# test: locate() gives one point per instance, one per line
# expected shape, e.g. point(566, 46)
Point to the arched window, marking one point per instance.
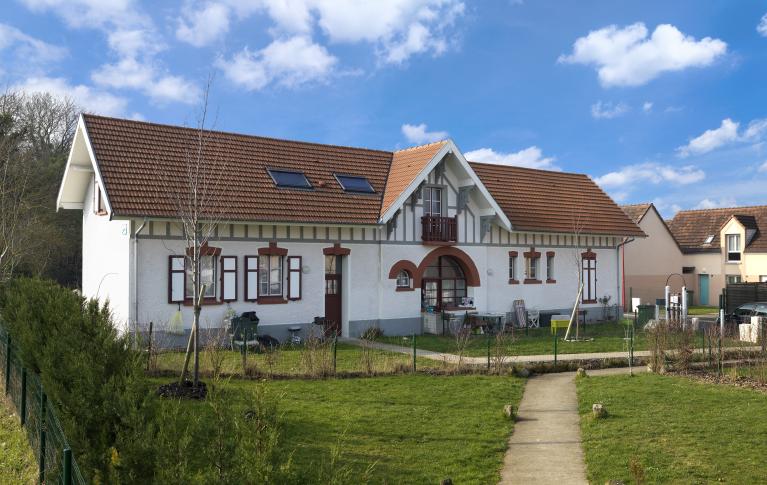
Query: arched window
point(403, 279)
point(443, 284)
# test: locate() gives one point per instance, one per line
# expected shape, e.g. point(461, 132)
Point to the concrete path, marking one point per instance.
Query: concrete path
point(545, 447)
point(452, 358)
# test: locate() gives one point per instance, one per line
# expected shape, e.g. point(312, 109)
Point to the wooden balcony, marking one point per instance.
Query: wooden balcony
point(439, 230)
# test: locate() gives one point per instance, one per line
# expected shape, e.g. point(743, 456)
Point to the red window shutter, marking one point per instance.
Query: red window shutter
point(294, 277)
point(176, 279)
point(228, 278)
point(251, 278)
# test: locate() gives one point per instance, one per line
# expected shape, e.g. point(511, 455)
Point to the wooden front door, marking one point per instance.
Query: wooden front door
point(333, 294)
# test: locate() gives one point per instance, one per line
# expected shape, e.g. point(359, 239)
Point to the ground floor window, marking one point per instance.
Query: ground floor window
point(732, 279)
point(208, 278)
point(443, 284)
point(403, 279)
point(763, 278)
point(270, 275)
point(589, 275)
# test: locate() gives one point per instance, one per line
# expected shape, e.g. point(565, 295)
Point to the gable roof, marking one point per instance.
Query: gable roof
point(692, 227)
point(636, 212)
point(141, 166)
point(543, 200)
point(134, 157)
point(405, 167)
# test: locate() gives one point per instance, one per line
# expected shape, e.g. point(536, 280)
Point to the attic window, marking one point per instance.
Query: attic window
point(709, 239)
point(289, 178)
point(351, 183)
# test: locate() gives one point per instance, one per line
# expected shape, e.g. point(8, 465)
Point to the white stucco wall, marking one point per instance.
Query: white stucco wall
point(106, 260)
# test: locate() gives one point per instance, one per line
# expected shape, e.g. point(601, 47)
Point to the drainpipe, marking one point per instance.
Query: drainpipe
point(621, 279)
point(135, 272)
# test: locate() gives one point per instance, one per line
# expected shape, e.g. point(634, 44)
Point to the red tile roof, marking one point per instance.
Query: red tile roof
point(143, 166)
point(405, 167)
point(542, 200)
point(692, 227)
point(636, 211)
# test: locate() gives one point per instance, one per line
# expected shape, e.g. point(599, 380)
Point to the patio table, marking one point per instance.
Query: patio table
point(559, 321)
point(492, 317)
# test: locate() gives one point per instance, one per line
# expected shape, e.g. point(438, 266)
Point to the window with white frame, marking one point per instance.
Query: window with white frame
point(763, 278)
point(432, 201)
point(532, 267)
point(733, 247)
point(403, 279)
point(270, 275)
point(512, 266)
point(207, 277)
point(732, 279)
point(550, 267)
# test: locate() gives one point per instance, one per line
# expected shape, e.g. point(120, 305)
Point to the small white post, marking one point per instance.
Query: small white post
point(684, 306)
point(667, 293)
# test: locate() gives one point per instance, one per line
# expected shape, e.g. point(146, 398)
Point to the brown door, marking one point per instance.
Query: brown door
point(333, 294)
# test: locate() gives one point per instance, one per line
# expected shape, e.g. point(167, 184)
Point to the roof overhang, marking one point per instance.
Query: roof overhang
point(81, 166)
point(448, 149)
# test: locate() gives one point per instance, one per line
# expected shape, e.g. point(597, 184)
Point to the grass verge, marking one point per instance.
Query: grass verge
point(17, 462)
point(672, 430)
point(412, 429)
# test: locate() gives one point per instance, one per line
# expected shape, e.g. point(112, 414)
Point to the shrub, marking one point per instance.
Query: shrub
point(372, 333)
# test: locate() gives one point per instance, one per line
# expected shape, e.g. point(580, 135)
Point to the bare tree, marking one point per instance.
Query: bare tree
point(577, 266)
point(199, 211)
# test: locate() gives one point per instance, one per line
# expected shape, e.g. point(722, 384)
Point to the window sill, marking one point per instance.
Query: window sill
point(589, 301)
point(101, 213)
point(529, 281)
point(271, 300)
point(405, 289)
point(733, 262)
point(512, 281)
point(205, 301)
point(550, 281)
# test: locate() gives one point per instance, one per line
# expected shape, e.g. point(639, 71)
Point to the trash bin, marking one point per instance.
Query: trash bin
point(645, 313)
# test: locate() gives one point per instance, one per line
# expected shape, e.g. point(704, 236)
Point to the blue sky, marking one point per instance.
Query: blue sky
point(657, 101)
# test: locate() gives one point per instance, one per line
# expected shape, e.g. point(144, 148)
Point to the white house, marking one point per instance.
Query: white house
point(363, 237)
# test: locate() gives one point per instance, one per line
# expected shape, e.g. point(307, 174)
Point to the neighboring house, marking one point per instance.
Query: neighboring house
point(363, 237)
point(717, 246)
point(649, 261)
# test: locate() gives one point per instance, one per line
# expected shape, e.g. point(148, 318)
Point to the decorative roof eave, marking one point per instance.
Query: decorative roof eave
point(81, 133)
point(448, 148)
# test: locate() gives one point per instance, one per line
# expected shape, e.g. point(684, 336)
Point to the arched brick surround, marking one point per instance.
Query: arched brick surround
point(468, 266)
point(407, 266)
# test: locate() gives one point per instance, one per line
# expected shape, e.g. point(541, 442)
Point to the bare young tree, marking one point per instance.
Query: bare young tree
point(577, 266)
point(199, 211)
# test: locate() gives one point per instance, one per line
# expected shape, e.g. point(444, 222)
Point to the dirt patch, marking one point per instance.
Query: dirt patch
point(709, 377)
point(183, 390)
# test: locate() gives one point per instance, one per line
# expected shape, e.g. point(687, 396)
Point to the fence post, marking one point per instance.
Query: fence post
point(43, 401)
point(721, 362)
point(23, 410)
point(488, 351)
point(7, 364)
point(414, 352)
point(335, 351)
point(149, 348)
point(67, 467)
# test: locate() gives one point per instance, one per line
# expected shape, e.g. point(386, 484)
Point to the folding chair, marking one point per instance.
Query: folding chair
point(533, 318)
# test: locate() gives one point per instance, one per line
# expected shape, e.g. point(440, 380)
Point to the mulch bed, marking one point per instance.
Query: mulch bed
point(183, 390)
point(711, 377)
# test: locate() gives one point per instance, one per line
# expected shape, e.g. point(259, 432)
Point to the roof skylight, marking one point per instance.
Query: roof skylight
point(289, 178)
point(709, 239)
point(352, 183)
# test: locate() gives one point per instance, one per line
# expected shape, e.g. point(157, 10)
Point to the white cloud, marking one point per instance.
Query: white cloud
point(608, 110)
point(763, 167)
point(28, 48)
point(716, 203)
point(762, 27)
point(90, 99)
point(289, 62)
point(531, 157)
point(711, 139)
point(419, 134)
point(130, 73)
point(628, 57)
point(173, 88)
point(397, 29)
point(647, 106)
point(201, 27)
point(651, 172)
point(727, 134)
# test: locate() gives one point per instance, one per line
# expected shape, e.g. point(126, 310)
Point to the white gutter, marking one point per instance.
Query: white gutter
point(135, 273)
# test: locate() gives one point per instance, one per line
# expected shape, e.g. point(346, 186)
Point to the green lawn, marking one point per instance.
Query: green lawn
point(413, 428)
point(702, 310)
point(607, 337)
point(677, 430)
point(17, 463)
point(295, 361)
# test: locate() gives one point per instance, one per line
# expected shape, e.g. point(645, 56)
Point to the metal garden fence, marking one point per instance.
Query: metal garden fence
point(24, 390)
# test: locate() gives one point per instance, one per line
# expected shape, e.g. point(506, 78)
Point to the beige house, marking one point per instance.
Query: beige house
point(709, 247)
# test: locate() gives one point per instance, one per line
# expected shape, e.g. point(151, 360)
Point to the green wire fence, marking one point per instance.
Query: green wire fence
point(24, 390)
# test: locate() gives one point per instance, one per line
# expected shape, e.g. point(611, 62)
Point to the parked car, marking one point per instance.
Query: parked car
point(744, 312)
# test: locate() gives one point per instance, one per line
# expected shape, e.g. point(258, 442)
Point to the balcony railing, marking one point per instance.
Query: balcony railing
point(439, 229)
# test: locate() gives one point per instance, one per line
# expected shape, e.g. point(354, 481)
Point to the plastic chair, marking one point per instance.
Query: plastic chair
point(533, 318)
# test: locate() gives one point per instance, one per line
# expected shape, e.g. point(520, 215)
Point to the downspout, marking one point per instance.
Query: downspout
point(621, 279)
point(135, 273)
